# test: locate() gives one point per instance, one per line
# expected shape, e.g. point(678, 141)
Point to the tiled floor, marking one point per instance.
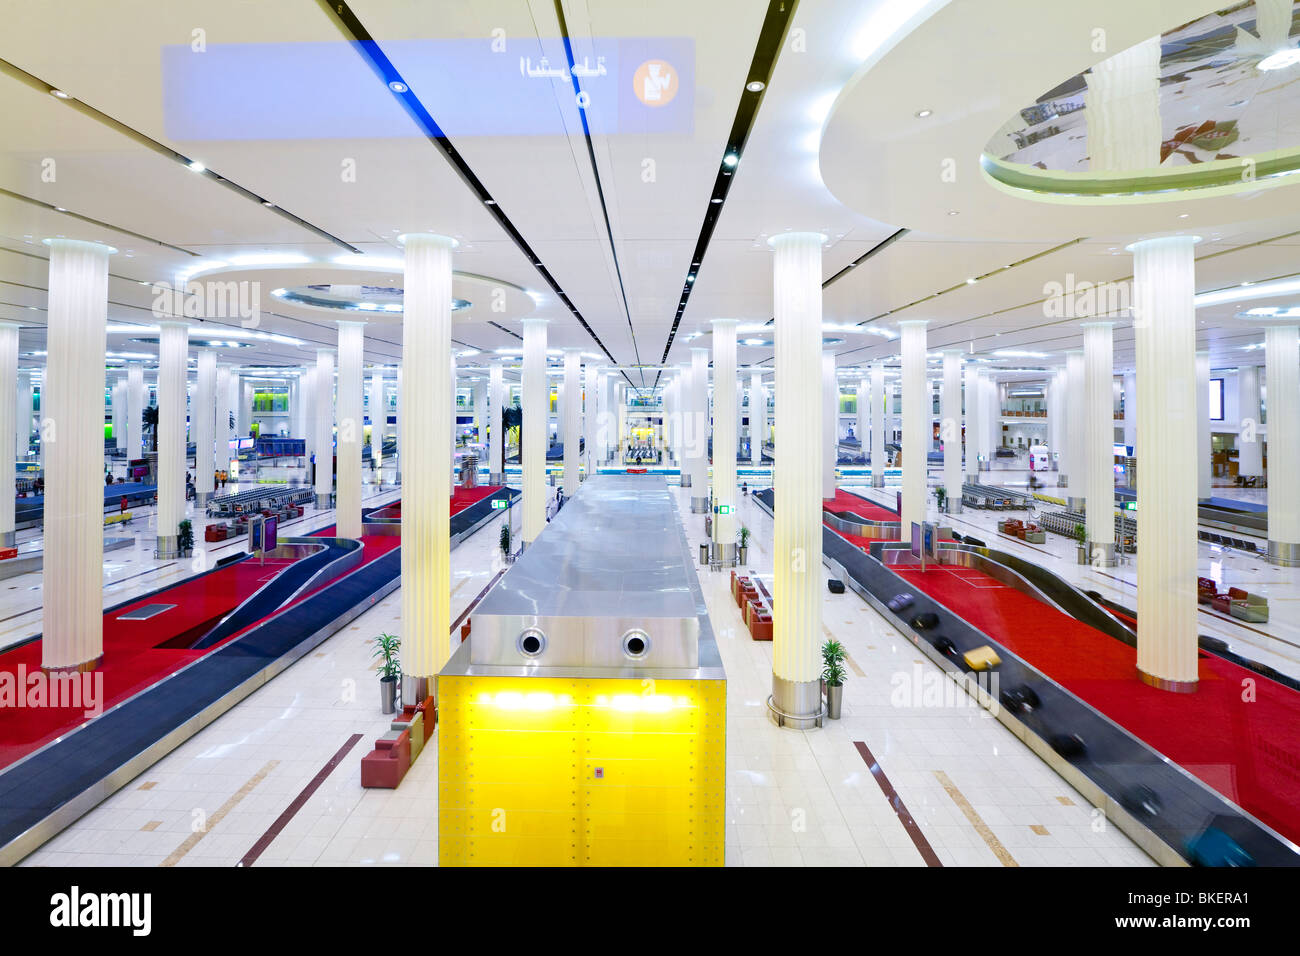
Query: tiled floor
point(794, 797)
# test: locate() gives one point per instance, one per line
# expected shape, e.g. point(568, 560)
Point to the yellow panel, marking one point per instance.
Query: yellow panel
point(543, 771)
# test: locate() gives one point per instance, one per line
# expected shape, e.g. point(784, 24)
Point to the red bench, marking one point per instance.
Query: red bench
point(386, 765)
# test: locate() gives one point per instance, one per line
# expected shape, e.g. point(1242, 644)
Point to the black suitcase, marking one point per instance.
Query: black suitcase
point(835, 585)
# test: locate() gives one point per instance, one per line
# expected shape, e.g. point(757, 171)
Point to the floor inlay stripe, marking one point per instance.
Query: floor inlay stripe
point(904, 815)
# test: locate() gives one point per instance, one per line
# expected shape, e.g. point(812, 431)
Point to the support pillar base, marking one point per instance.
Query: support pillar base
point(699, 506)
point(1101, 554)
point(85, 667)
point(1062, 481)
point(878, 481)
point(168, 547)
point(496, 479)
point(1077, 505)
point(201, 498)
point(1285, 554)
point(796, 704)
point(414, 690)
point(1161, 683)
point(323, 502)
point(722, 555)
point(9, 539)
point(686, 480)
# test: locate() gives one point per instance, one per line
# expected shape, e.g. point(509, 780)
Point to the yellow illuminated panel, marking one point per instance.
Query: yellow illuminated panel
point(548, 771)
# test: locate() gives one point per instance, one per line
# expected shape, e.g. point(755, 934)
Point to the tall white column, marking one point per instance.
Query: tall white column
point(696, 430)
point(571, 415)
point(862, 425)
point(1057, 416)
point(72, 411)
point(724, 438)
point(1282, 381)
point(1076, 426)
point(234, 392)
point(204, 421)
point(757, 414)
point(398, 397)
point(496, 403)
point(590, 385)
point(134, 409)
point(378, 419)
point(1164, 327)
point(1130, 410)
point(1250, 442)
point(23, 419)
point(117, 404)
point(173, 352)
point(425, 432)
point(975, 423)
point(797, 551)
point(244, 405)
point(324, 426)
point(348, 502)
point(916, 422)
point(307, 398)
point(830, 449)
point(950, 429)
point(8, 425)
point(1203, 480)
point(221, 418)
point(536, 403)
point(878, 453)
point(1098, 473)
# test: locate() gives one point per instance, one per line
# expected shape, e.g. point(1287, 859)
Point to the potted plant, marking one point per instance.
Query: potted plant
point(387, 646)
point(940, 495)
point(742, 549)
point(504, 541)
point(832, 650)
point(1081, 536)
point(834, 675)
point(185, 538)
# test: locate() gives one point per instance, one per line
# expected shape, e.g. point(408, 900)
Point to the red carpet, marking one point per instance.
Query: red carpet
point(868, 511)
point(133, 657)
point(1247, 751)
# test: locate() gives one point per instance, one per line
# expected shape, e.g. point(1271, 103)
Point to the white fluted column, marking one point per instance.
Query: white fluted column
point(204, 419)
point(307, 398)
point(134, 410)
point(378, 420)
point(916, 422)
point(757, 414)
point(950, 429)
point(425, 431)
point(23, 419)
point(117, 404)
point(324, 426)
point(1098, 453)
point(570, 418)
point(878, 453)
point(1057, 419)
point(536, 402)
point(398, 396)
point(724, 439)
point(72, 428)
point(244, 405)
point(1165, 331)
point(587, 415)
point(221, 418)
point(861, 425)
point(1282, 381)
point(1250, 441)
point(830, 450)
point(1130, 410)
point(797, 551)
point(348, 502)
point(496, 403)
point(696, 430)
point(974, 423)
point(1075, 429)
point(8, 425)
point(1203, 480)
point(173, 353)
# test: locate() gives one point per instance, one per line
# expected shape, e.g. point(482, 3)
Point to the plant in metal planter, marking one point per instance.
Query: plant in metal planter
point(832, 655)
point(386, 648)
point(941, 496)
point(834, 674)
point(504, 540)
point(185, 538)
point(1081, 536)
point(742, 555)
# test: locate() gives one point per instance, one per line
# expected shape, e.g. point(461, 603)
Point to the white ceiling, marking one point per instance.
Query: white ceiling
point(163, 217)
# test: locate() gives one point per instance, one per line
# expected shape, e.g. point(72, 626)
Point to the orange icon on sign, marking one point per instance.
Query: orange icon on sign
point(655, 83)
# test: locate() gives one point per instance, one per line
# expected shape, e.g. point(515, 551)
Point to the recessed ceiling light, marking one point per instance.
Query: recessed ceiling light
point(59, 94)
point(970, 281)
point(715, 200)
point(268, 204)
point(755, 86)
point(59, 209)
point(1183, 215)
point(1280, 60)
point(489, 202)
point(922, 114)
point(954, 212)
point(397, 86)
point(730, 160)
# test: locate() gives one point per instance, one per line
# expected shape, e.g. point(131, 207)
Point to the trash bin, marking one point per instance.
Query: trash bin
point(704, 553)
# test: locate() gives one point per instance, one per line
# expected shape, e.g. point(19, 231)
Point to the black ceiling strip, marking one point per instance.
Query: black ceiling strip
point(498, 325)
point(94, 222)
point(370, 51)
point(776, 23)
point(595, 172)
point(148, 142)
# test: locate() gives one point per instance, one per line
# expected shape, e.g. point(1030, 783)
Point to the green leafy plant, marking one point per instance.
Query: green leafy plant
point(386, 648)
point(834, 673)
point(185, 535)
point(744, 536)
point(504, 539)
point(1081, 534)
point(833, 652)
point(940, 495)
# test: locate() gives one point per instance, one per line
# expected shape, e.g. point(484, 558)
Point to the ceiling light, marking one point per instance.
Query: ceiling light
point(922, 114)
point(715, 200)
point(270, 259)
point(1183, 215)
point(1259, 291)
point(1280, 60)
point(489, 202)
point(954, 212)
point(196, 166)
point(268, 204)
point(970, 281)
point(59, 209)
point(730, 160)
point(59, 94)
point(755, 86)
point(397, 86)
